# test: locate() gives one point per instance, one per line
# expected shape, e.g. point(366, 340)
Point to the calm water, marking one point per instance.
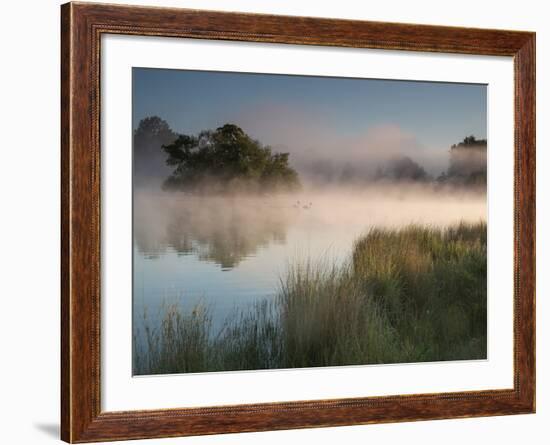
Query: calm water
point(229, 252)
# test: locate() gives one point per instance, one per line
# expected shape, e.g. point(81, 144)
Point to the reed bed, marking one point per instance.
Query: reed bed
point(413, 294)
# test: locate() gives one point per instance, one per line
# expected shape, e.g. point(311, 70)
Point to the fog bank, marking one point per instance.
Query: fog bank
point(227, 229)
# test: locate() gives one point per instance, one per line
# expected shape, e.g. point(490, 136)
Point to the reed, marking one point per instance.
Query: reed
point(413, 294)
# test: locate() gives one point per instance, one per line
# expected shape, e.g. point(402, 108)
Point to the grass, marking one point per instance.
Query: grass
point(406, 295)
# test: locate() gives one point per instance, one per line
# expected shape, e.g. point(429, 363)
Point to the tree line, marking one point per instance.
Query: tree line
point(229, 160)
point(215, 161)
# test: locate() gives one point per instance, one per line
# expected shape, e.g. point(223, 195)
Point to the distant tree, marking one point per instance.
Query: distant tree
point(379, 174)
point(149, 157)
point(468, 162)
point(153, 127)
point(321, 171)
point(227, 159)
point(349, 174)
point(442, 177)
point(402, 169)
point(470, 140)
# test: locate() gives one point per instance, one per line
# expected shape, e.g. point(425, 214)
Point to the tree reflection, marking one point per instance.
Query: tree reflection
point(216, 229)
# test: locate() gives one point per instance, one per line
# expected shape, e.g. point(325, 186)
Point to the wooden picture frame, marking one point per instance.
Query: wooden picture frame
point(82, 25)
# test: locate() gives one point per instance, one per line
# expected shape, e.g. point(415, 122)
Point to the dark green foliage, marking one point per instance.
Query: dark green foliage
point(227, 160)
point(410, 295)
point(470, 141)
point(433, 286)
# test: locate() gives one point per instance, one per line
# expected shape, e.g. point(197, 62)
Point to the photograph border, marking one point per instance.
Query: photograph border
point(82, 25)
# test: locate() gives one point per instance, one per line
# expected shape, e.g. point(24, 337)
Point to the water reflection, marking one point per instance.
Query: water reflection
point(220, 230)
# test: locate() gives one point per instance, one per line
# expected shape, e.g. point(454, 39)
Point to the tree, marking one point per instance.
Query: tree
point(227, 159)
point(402, 169)
point(468, 162)
point(149, 157)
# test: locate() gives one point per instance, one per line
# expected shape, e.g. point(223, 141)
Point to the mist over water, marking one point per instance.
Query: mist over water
point(228, 229)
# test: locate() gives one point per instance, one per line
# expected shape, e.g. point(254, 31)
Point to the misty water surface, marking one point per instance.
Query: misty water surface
point(227, 252)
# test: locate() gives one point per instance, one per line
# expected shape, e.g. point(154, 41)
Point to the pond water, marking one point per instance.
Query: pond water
point(228, 252)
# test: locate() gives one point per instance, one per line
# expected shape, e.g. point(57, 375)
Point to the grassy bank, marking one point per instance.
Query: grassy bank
point(409, 295)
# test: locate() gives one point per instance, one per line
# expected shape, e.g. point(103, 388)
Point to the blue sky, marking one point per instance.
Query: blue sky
point(318, 116)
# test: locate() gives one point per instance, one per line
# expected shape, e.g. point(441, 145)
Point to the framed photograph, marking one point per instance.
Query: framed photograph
point(274, 222)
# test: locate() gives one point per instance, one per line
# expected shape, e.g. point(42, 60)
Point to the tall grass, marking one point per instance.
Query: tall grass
point(405, 295)
point(432, 283)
